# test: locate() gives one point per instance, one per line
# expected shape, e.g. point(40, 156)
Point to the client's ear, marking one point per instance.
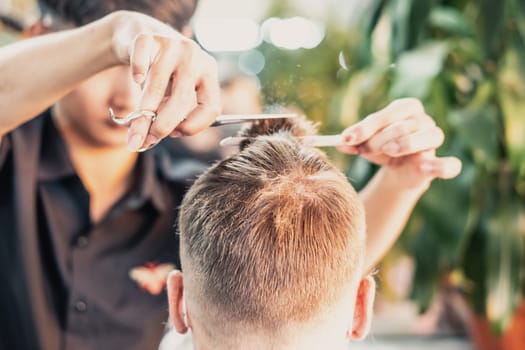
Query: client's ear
point(363, 311)
point(176, 301)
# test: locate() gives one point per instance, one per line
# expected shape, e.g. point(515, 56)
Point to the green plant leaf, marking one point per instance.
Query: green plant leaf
point(505, 254)
point(427, 272)
point(409, 18)
point(416, 69)
point(441, 228)
point(490, 26)
point(366, 87)
point(368, 22)
point(360, 172)
point(450, 20)
point(512, 98)
point(480, 129)
point(474, 267)
point(446, 218)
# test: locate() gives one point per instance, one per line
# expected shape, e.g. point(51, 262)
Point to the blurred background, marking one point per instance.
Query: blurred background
point(455, 278)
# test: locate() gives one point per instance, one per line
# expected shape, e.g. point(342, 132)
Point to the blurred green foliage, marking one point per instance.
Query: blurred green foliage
point(465, 59)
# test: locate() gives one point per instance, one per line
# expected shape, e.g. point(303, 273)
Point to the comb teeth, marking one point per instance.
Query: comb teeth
point(298, 126)
point(310, 141)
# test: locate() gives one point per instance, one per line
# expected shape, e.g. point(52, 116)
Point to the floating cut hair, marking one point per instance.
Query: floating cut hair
point(176, 13)
point(274, 234)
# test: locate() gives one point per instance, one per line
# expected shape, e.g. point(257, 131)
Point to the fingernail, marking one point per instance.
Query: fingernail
point(176, 134)
point(391, 148)
point(151, 140)
point(349, 137)
point(135, 142)
point(139, 78)
point(426, 167)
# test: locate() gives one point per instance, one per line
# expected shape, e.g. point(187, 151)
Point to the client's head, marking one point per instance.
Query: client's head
point(272, 247)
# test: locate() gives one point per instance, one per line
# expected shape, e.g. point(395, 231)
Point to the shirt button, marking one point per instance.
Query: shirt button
point(81, 306)
point(82, 242)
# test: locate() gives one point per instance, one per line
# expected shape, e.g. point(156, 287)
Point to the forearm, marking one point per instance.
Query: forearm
point(37, 72)
point(388, 208)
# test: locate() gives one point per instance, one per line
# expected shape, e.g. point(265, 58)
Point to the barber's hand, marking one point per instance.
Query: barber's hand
point(403, 139)
point(179, 80)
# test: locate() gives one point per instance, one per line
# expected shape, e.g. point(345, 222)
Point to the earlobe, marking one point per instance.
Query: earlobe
point(363, 311)
point(177, 306)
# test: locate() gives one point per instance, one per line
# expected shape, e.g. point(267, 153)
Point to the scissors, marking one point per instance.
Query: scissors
point(224, 119)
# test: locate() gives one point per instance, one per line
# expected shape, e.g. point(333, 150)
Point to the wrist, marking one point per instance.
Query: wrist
point(114, 22)
point(99, 37)
point(390, 181)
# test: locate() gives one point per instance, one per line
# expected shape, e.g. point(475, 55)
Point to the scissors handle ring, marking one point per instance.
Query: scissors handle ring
point(132, 116)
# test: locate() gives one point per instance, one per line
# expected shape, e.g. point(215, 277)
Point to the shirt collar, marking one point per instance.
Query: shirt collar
point(55, 164)
point(149, 186)
point(54, 159)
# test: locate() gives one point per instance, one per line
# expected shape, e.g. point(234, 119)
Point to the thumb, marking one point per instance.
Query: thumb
point(443, 167)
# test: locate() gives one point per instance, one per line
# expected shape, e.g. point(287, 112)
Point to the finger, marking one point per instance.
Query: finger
point(348, 149)
point(376, 158)
point(141, 57)
point(397, 130)
point(443, 168)
point(159, 76)
point(197, 120)
point(137, 133)
point(177, 107)
point(396, 111)
point(424, 140)
point(208, 106)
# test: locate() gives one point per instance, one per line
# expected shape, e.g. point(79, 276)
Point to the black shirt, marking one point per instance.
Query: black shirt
point(66, 282)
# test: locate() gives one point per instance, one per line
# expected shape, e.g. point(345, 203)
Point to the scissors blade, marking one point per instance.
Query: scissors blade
point(226, 119)
point(310, 141)
point(223, 119)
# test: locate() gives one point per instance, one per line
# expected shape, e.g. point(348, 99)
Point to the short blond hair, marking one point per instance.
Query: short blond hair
point(273, 234)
